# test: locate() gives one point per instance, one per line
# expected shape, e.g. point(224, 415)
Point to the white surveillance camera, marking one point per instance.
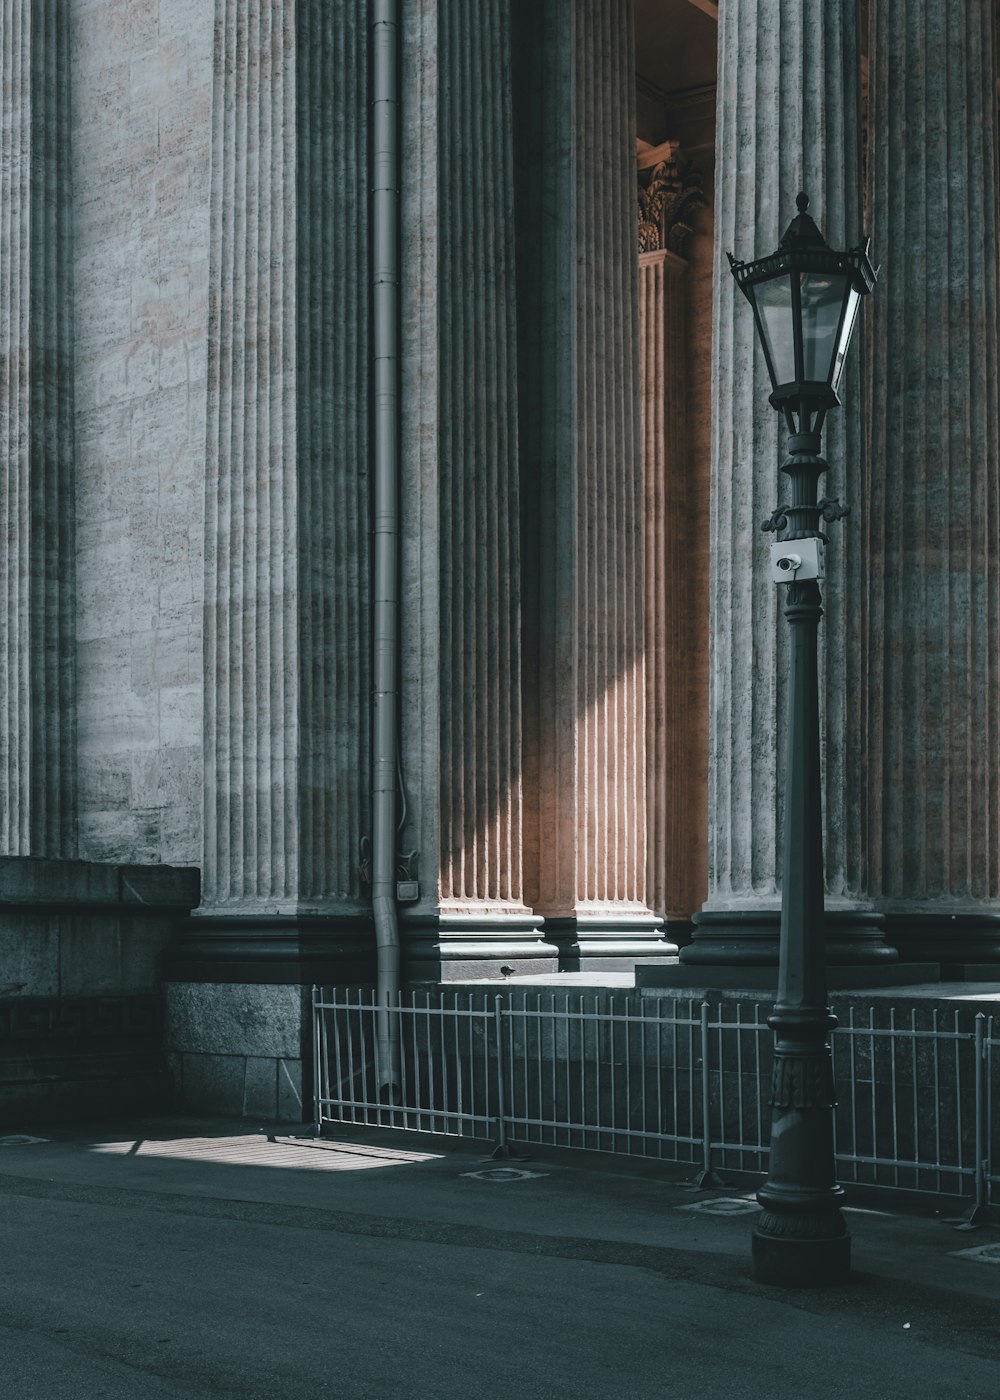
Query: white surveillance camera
point(795, 560)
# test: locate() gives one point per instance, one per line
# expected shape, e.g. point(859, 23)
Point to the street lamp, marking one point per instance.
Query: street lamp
point(805, 299)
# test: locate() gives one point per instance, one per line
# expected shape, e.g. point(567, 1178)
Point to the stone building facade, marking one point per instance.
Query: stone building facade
point(590, 666)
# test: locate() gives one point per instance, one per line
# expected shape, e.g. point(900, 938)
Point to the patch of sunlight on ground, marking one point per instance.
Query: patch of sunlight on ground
point(254, 1151)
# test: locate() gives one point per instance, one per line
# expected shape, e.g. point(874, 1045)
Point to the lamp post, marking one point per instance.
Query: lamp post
point(805, 299)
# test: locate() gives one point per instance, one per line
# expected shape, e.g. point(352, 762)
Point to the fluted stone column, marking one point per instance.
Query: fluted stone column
point(935, 611)
point(675, 585)
point(582, 476)
point(661, 289)
point(332, 427)
point(37, 716)
point(462, 730)
point(286, 617)
point(788, 119)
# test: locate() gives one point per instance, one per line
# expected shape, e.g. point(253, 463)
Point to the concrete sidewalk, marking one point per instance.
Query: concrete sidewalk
point(187, 1258)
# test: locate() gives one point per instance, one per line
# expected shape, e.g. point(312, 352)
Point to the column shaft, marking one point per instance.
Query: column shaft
point(480, 601)
point(789, 82)
point(287, 669)
point(461, 523)
point(661, 291)
point(675, 722)
point(37, 732)
point(252, 671)
point(582, 474)
point(935, 613)
point(332, 375)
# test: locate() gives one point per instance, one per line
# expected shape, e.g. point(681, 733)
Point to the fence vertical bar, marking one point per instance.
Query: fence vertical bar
point(659, 1073)
point(316, 1058)
point(338, 1022)
point(959, 1134)
point(914, 1095)
point(459, 1098)
point(502, 1148)
point(352, 1089)
point(757, 1036)
point(893, 1098)
point(989, 1049)
point(707, 1179)
point(556, 1038)
point(979, 1212)
point(740, 1104)
point(599, 1115)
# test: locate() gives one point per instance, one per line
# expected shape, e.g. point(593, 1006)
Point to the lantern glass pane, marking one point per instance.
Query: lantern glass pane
point(846, 332)
point(822, 302)
point(774, 306)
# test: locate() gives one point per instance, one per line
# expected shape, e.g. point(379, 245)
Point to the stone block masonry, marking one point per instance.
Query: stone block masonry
point(239, 1049)
point(81, 1023)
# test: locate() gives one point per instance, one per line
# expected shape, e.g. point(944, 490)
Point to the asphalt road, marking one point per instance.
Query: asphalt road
point(172, 1266)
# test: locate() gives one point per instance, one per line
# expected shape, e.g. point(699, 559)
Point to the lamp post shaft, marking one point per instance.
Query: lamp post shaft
point(805, 298)
point(800, 1237)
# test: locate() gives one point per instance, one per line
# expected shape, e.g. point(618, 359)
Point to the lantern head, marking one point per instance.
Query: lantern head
point(805, 299)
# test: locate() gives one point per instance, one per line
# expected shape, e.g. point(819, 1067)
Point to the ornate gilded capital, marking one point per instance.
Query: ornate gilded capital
point(669, 193)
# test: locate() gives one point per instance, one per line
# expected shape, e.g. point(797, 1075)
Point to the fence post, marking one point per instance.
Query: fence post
point(503, 1148)
point(707, 1179)
point(979, 1212)
point(317, 1086)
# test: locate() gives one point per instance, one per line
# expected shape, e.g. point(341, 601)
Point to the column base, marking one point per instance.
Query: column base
point(966, 944)
point(451, 946)
point(806, 1251)
point(749, 938)
point(287, 948)
point(612, 940)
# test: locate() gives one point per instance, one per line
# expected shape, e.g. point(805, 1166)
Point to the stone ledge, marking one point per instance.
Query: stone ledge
point(28, 1021)
point(36, 883)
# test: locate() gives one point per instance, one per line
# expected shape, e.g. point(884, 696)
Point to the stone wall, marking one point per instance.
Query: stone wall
point(239, 1048)
point(81, 1022)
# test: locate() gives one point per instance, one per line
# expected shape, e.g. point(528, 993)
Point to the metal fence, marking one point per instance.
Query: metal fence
point(679, 1080)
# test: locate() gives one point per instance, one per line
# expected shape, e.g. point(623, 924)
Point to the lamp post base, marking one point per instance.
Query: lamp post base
point(801, 1251)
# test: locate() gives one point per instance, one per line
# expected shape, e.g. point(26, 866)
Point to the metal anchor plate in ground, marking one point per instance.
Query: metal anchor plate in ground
point(982, 1253)
point(500, 1175)
point(723, 1205)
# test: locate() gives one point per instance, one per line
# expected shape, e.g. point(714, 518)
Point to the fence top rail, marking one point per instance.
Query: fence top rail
point(571, 1006)
point(468, 1012)
point(518, 1013)
point(904, 1032)
point(578, 1009)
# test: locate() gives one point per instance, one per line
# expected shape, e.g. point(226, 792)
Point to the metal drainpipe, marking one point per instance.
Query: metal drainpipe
point(385, 452)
